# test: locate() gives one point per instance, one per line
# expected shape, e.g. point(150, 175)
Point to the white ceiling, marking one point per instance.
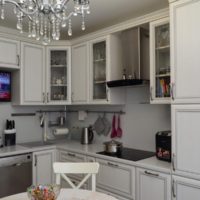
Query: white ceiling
point(103, 14)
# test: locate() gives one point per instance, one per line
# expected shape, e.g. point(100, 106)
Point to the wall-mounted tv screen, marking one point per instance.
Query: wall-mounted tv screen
point(5, 86)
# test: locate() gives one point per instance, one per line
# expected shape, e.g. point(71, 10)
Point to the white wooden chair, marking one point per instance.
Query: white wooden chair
point(90, 169)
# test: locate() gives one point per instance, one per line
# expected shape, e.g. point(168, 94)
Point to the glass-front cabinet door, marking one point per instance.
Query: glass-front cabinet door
point(160, 61)
point(58, 75)
point(98, 70)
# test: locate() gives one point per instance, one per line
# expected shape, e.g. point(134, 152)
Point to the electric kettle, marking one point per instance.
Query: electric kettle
point(87, 135)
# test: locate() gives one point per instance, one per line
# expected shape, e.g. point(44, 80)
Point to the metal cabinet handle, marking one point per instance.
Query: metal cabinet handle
point(173, 161)
point(172, 91)
point(18, 60)
point(72, 96)
point(173, 189)
point(47, 97)
point(151, 95)
point(112, 164)
point(107, 95)
point(43, 94)
point(35, 164)
point(71, 154)
point(151, 174)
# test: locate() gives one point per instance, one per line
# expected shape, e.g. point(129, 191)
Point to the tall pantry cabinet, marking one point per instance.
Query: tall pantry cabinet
point(185, 70)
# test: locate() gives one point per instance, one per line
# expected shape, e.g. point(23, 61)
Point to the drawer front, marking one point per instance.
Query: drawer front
point(66, 156)
point(116, 178)
point(114, 195)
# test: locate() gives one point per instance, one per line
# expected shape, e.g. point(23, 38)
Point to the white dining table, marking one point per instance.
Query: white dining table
point(68, 194)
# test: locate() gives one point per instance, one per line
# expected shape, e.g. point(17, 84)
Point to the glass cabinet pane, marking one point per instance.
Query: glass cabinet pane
point(162, 61)
point(99, 70)
point(58, 75)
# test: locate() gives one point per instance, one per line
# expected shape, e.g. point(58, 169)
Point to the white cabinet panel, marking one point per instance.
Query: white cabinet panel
point(153, 185)
point(116, 178)
point(9, 53)
point(33, 73)
point(186, 137)
point(185, 59)
point(80, 73)
point(43, 167)
point(185, 189)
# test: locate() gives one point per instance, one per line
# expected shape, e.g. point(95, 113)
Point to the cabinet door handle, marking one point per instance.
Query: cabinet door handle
point(43, 95)
point(35, 164)
point(18, 60)
point(47, 97)
point(173, 189)
point(173, 161)
point(71, 154)
point(151, 174)
point(151, 95)
point(72, 96)
point(107, 95)
point(112, 164)
point(172, 91)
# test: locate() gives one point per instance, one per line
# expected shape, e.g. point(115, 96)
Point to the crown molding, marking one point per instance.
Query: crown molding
point(123, 26)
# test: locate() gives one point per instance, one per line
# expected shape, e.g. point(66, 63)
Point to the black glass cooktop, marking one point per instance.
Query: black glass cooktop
point(130, 154)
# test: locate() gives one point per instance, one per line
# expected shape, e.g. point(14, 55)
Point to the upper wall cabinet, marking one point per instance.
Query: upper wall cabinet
point(105, 65)
point(93, 64)
point(160, 61)
point(58, 75)
point(80, 73)
point(185, 48)
point(31, 78)
point(9, 53)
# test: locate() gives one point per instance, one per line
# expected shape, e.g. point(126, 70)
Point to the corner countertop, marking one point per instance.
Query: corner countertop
point(151, 163)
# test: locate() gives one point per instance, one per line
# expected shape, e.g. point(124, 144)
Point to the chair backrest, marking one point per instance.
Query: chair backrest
point(90, 169)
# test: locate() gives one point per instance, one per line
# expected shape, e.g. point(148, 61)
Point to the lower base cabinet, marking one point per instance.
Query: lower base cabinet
point(43, 167)
point(152, 185)
point(185, 188)
point(116, 178)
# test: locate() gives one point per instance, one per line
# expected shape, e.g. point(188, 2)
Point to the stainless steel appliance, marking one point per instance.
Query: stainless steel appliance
point(163, 145)
point(87, 135)
point(15, 174)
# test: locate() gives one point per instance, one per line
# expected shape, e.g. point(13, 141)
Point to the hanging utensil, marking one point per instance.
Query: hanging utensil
point(119, 130)
point(114, 131)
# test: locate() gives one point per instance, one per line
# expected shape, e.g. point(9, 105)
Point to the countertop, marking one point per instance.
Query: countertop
point(151, 163)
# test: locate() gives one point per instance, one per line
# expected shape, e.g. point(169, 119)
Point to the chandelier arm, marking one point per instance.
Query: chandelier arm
point(21, 9)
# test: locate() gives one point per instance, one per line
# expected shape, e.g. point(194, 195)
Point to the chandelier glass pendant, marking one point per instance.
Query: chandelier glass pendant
point(46, 17)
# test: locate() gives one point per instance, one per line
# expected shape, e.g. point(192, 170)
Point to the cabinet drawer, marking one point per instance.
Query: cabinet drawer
point(116, 178)
point(114, 195)
point(66, 156)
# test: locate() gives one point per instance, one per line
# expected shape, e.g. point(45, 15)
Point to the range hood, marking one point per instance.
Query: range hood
point(135, 58)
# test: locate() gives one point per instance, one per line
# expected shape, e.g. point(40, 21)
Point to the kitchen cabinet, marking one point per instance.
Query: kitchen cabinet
point(185, 47)
point(30, 81)
point(116, 178)
point(105, 65)
point(67, 156)
point(58, 75)
point(184, 188)
point(9, 53)
point(185, 138)
point(160, 61)
point(153, 185)
point(99, 61)
point(43, 167)
point(80, 73)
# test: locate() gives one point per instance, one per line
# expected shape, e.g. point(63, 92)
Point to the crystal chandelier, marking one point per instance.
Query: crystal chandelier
point(46, 17)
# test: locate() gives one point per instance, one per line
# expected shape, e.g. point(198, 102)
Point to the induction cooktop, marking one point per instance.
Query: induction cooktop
point(130, 154)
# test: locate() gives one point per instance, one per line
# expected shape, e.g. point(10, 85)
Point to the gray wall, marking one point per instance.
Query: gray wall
point(140, 123)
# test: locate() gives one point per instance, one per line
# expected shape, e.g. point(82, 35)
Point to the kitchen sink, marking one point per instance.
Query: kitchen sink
point(36, 144)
